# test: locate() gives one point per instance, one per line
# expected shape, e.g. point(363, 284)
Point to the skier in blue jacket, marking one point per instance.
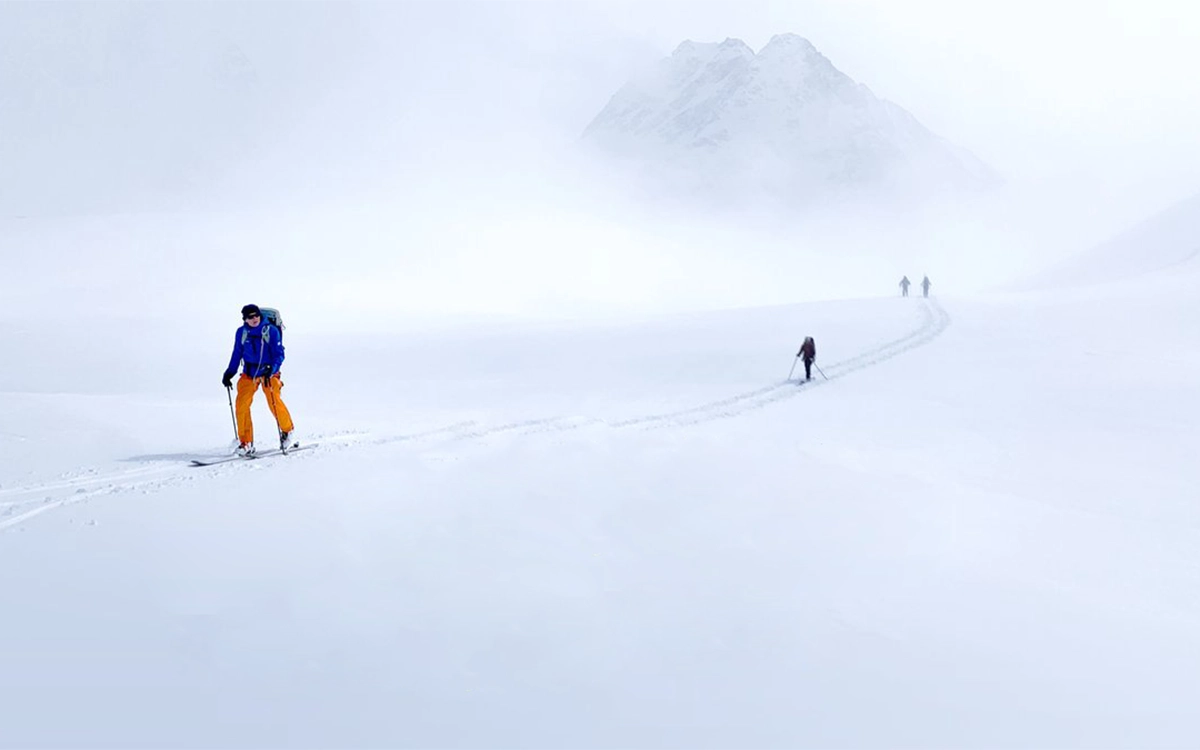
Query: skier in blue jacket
point(258, 348)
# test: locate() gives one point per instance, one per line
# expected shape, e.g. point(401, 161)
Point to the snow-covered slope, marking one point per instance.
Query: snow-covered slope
point(1166, 243)
point(979, 525)
point(718, 117)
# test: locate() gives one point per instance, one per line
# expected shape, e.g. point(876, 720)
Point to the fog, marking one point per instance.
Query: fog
point(398, 161)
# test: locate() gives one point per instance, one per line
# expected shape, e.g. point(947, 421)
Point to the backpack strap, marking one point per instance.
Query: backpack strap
point(266, 334)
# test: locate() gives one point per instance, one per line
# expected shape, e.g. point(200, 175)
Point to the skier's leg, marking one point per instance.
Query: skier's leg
point(808, 369)
point(275, 401)
point(246, 386)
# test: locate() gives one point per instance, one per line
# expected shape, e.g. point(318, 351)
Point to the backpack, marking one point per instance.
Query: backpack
point(272, 316)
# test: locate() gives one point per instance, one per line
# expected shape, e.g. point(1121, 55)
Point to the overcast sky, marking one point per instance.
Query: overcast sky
point(310, 112)
point(1055, 89)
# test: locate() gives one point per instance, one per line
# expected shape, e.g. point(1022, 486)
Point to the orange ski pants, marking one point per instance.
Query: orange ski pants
point(246, 388)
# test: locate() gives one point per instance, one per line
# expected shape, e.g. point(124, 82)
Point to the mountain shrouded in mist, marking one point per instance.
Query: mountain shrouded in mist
point(716, 118)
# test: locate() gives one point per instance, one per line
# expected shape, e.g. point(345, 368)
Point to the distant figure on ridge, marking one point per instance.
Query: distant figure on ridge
point(925, 284)
point(904, 282)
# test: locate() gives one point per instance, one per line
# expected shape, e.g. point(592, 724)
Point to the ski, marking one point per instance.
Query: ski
point(261, 454)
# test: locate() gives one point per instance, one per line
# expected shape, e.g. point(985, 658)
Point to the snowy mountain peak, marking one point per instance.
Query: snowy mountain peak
point(797, 54)
point(735, 46)
point(790, 44)
point(718, 118)
point(690, 50)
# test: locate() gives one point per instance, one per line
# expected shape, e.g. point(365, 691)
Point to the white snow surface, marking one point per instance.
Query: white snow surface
point(979, 527)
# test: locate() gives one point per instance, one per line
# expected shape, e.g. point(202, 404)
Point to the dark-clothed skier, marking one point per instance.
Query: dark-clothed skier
point(808, 351)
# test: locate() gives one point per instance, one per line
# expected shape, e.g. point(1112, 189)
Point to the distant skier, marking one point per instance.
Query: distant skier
point(925, 284)
point(258, 346)
point(808, 351)
point(904, 282)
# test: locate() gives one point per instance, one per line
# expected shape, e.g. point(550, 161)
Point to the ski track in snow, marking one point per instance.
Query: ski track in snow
point(934, 321)
point(30, 501)
point(76, 482)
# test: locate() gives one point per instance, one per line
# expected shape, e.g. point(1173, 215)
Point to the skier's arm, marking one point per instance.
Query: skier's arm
point(235, 359)
point(277, 351)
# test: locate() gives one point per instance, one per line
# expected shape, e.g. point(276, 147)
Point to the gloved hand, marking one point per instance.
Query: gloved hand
point(227, 380)
point(265, 371)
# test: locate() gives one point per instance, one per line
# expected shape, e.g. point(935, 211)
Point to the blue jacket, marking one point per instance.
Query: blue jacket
point(256, 347)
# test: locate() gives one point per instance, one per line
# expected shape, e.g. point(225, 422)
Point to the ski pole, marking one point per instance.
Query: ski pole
point(820, 371)
point(794, 361)
point(229, 392)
